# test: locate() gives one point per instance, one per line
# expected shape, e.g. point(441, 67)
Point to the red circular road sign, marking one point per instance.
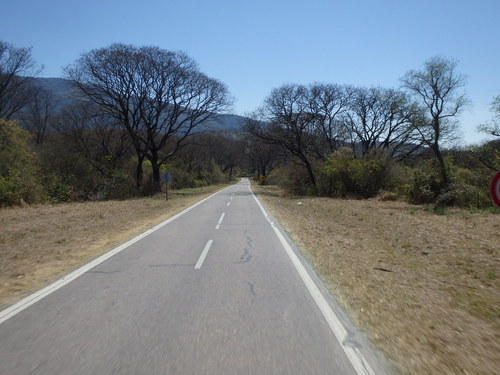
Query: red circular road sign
point(495, 189)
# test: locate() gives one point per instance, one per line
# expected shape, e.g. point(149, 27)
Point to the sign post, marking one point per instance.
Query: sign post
point(166, 177)
point(495, 189)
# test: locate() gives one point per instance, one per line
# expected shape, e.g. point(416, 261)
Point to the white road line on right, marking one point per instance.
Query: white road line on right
point(229, 203)
point(361, 366)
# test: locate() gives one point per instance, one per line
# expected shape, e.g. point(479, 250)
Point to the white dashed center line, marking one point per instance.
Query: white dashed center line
point(203, 255)
point(220, 220)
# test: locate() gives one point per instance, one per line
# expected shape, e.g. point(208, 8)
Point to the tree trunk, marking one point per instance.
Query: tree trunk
point(445, 179)
point(139, 175)
point(156, 176)
point(310, 172)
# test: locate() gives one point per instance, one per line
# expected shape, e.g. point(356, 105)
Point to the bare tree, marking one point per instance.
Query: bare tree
point(493, 127)
point(227, 153)
point(96, 136)
point(437, 87)
point(157, 95)
point(16, 65)
point(107, 78)
point(37, 114)
point(382, 119)
point(262, 158)
point(285, 120)
point(329, 103)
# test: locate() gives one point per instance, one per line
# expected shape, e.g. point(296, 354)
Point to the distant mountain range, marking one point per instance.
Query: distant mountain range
point(63, 92)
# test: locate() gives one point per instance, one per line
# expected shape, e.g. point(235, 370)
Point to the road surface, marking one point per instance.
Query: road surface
point(214, 291)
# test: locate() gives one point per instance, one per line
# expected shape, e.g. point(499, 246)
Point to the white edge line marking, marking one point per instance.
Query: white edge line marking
point(42, 293)
point(228, 204)
point(203, 255)
point(357, 360)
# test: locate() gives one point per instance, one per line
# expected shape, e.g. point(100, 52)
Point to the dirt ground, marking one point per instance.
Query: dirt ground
point(39, 244)
point(424, 287)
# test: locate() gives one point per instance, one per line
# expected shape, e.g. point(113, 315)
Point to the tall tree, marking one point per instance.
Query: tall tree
point(438, 89)
point(382, 119)
point(38, 113)
point(95, 136)
point(286, 120)
point(160, 97)
point(329, 103)
point(262, 158)
point(16, 90)
point(227, 153)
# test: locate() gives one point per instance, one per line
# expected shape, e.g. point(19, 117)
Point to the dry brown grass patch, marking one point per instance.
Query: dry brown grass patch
point(424, 287)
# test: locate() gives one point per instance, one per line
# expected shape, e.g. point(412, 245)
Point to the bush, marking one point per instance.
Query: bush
point(57, 190)
point(424, 186)
point(202, 175)
point(469, 186)
point(295, 180)
point(344, 175)
point(464, 195)
point(19, 175)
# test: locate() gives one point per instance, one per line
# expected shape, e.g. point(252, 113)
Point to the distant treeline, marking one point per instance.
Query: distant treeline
point(139, 111)
point(345, 141)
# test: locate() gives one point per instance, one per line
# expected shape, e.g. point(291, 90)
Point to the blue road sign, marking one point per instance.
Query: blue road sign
point(166, 177)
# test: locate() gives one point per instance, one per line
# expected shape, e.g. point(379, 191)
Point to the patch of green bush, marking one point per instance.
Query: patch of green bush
point(294, 180)
point(344, 175)
point(201, 175)
point(424, 186)
point(20, 180)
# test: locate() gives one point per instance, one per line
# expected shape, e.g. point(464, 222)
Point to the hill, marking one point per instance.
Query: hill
point(64, 94)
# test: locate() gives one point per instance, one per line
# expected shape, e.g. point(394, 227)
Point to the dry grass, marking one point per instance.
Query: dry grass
point(40, 243)
point(424, 287)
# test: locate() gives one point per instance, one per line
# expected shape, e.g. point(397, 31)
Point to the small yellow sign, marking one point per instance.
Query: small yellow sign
point(262, 178)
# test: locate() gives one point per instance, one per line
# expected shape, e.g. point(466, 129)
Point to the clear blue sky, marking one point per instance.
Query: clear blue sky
point(254, 46)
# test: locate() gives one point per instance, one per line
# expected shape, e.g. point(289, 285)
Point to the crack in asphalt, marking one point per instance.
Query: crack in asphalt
point(252, 288)
point(245, 258)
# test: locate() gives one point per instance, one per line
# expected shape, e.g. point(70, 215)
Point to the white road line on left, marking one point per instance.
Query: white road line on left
point(42, 293)
point(227, 205)
point(203, 255)
point(220, 220)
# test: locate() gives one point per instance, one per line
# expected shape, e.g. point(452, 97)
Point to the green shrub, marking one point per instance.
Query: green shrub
point(295, 180)
point(19, 173)
point(424, 186)
point(464, 195)
point(344, 175)
point(57, 190)
point(201, 175)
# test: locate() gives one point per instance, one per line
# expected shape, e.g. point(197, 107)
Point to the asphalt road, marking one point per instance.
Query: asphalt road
point(214, 291)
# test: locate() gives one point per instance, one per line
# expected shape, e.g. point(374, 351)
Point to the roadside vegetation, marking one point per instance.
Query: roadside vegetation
point(134, 114)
